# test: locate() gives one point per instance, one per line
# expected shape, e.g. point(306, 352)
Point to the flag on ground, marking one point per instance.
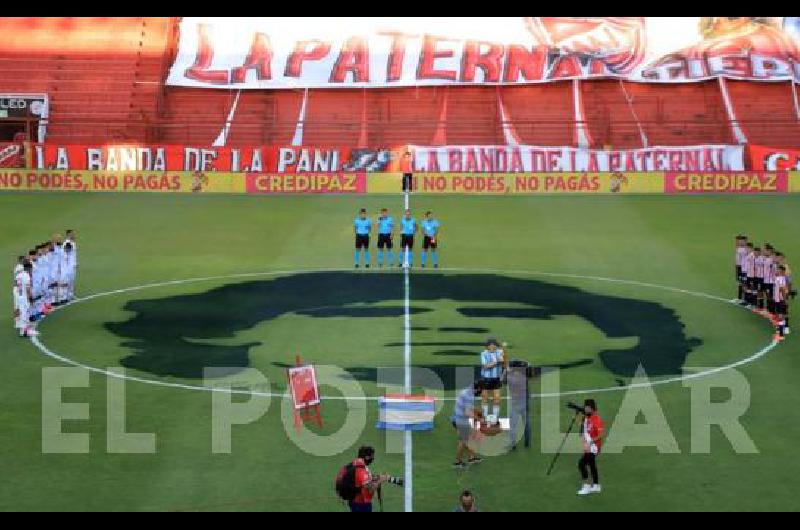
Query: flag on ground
point(400, 412)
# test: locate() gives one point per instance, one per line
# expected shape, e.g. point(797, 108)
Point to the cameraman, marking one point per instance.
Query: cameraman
point(366, 482)
point(592, 432)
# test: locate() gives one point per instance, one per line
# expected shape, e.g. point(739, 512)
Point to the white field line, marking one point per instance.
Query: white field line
point(37, 341)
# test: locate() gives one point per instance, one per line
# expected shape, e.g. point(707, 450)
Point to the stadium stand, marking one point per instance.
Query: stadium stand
point(106, 81)
point(765, 111)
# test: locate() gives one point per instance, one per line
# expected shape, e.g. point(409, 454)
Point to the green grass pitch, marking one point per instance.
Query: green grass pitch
point(597, 332)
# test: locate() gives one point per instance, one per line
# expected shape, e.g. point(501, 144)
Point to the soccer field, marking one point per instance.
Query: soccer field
point(595, 286)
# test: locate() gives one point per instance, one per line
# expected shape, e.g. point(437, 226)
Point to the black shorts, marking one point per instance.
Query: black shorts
point(767, 289)
point(385, 241)
point(781, 308)
point(492, 383)
point(406, 241)
point(758, 284)
point(738, 273)
point(362, 242)
point(751, 282)
point(428, 242)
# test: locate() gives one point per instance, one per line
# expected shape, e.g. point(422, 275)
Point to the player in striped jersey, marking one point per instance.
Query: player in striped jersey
point(749, 271)
point(781, 297)
point(770, 268)
point(782, 262)
point(741, 252)
point(758, 270)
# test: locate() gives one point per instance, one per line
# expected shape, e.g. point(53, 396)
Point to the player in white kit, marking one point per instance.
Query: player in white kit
point(55, 272)
point(72, 238)
point(22, 297)
point(66, 274)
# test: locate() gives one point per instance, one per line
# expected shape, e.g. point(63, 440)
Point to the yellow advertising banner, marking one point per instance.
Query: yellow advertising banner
point(794, 182)
point(122, 181)
point(520, 183)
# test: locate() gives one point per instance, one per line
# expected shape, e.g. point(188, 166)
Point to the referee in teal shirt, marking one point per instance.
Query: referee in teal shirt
point(408, 227)
point(430, 232)
point(362, 226)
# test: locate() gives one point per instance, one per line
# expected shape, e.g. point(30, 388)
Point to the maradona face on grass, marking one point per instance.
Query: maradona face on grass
point(355, 321)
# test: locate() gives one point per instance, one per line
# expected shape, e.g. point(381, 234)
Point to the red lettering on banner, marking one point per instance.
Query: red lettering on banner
point(454, 160)
point(566, 67)
point(552, 160)
point(487, 160)
point(302, 53)
point(691, 160)
point(427, 57)
point(353, 58)
point(472, 163)
point(738, 65)
point(428, 183)
point(516, 161)
point(10, 180)
point(661, 159)
point(630, 162)
point(205, 54)
point(259, 59)
point(501, 160)
point(520, 60)
point(489, 62)
point(643, 164)
point(537, 160)
point(433, 161)
point(594, 165)
point(394, 64)
point(675, 161)
point(708, 160)
point(614, 161)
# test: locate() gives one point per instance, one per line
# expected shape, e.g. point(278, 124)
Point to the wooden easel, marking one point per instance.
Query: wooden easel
point(309, 412)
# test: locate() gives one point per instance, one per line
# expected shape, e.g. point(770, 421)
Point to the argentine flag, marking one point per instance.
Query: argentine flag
point(400, 412)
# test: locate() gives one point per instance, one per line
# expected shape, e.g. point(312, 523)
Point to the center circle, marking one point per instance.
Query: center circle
point(453, 310)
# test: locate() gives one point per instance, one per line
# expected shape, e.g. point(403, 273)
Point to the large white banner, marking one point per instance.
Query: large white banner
point(530, 159)
point(218, 52)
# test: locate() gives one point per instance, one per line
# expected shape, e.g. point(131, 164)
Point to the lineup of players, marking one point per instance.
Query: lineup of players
point(765, 282)
point(429, 226)
point(44, 279)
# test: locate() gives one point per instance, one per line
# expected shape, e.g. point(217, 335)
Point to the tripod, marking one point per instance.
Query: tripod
point(560, 447)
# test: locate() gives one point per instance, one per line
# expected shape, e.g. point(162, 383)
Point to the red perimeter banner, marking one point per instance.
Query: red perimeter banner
point(371, 52)
point(255, 159)
point(773, 158)
point(729, 182)
point(278, 183)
